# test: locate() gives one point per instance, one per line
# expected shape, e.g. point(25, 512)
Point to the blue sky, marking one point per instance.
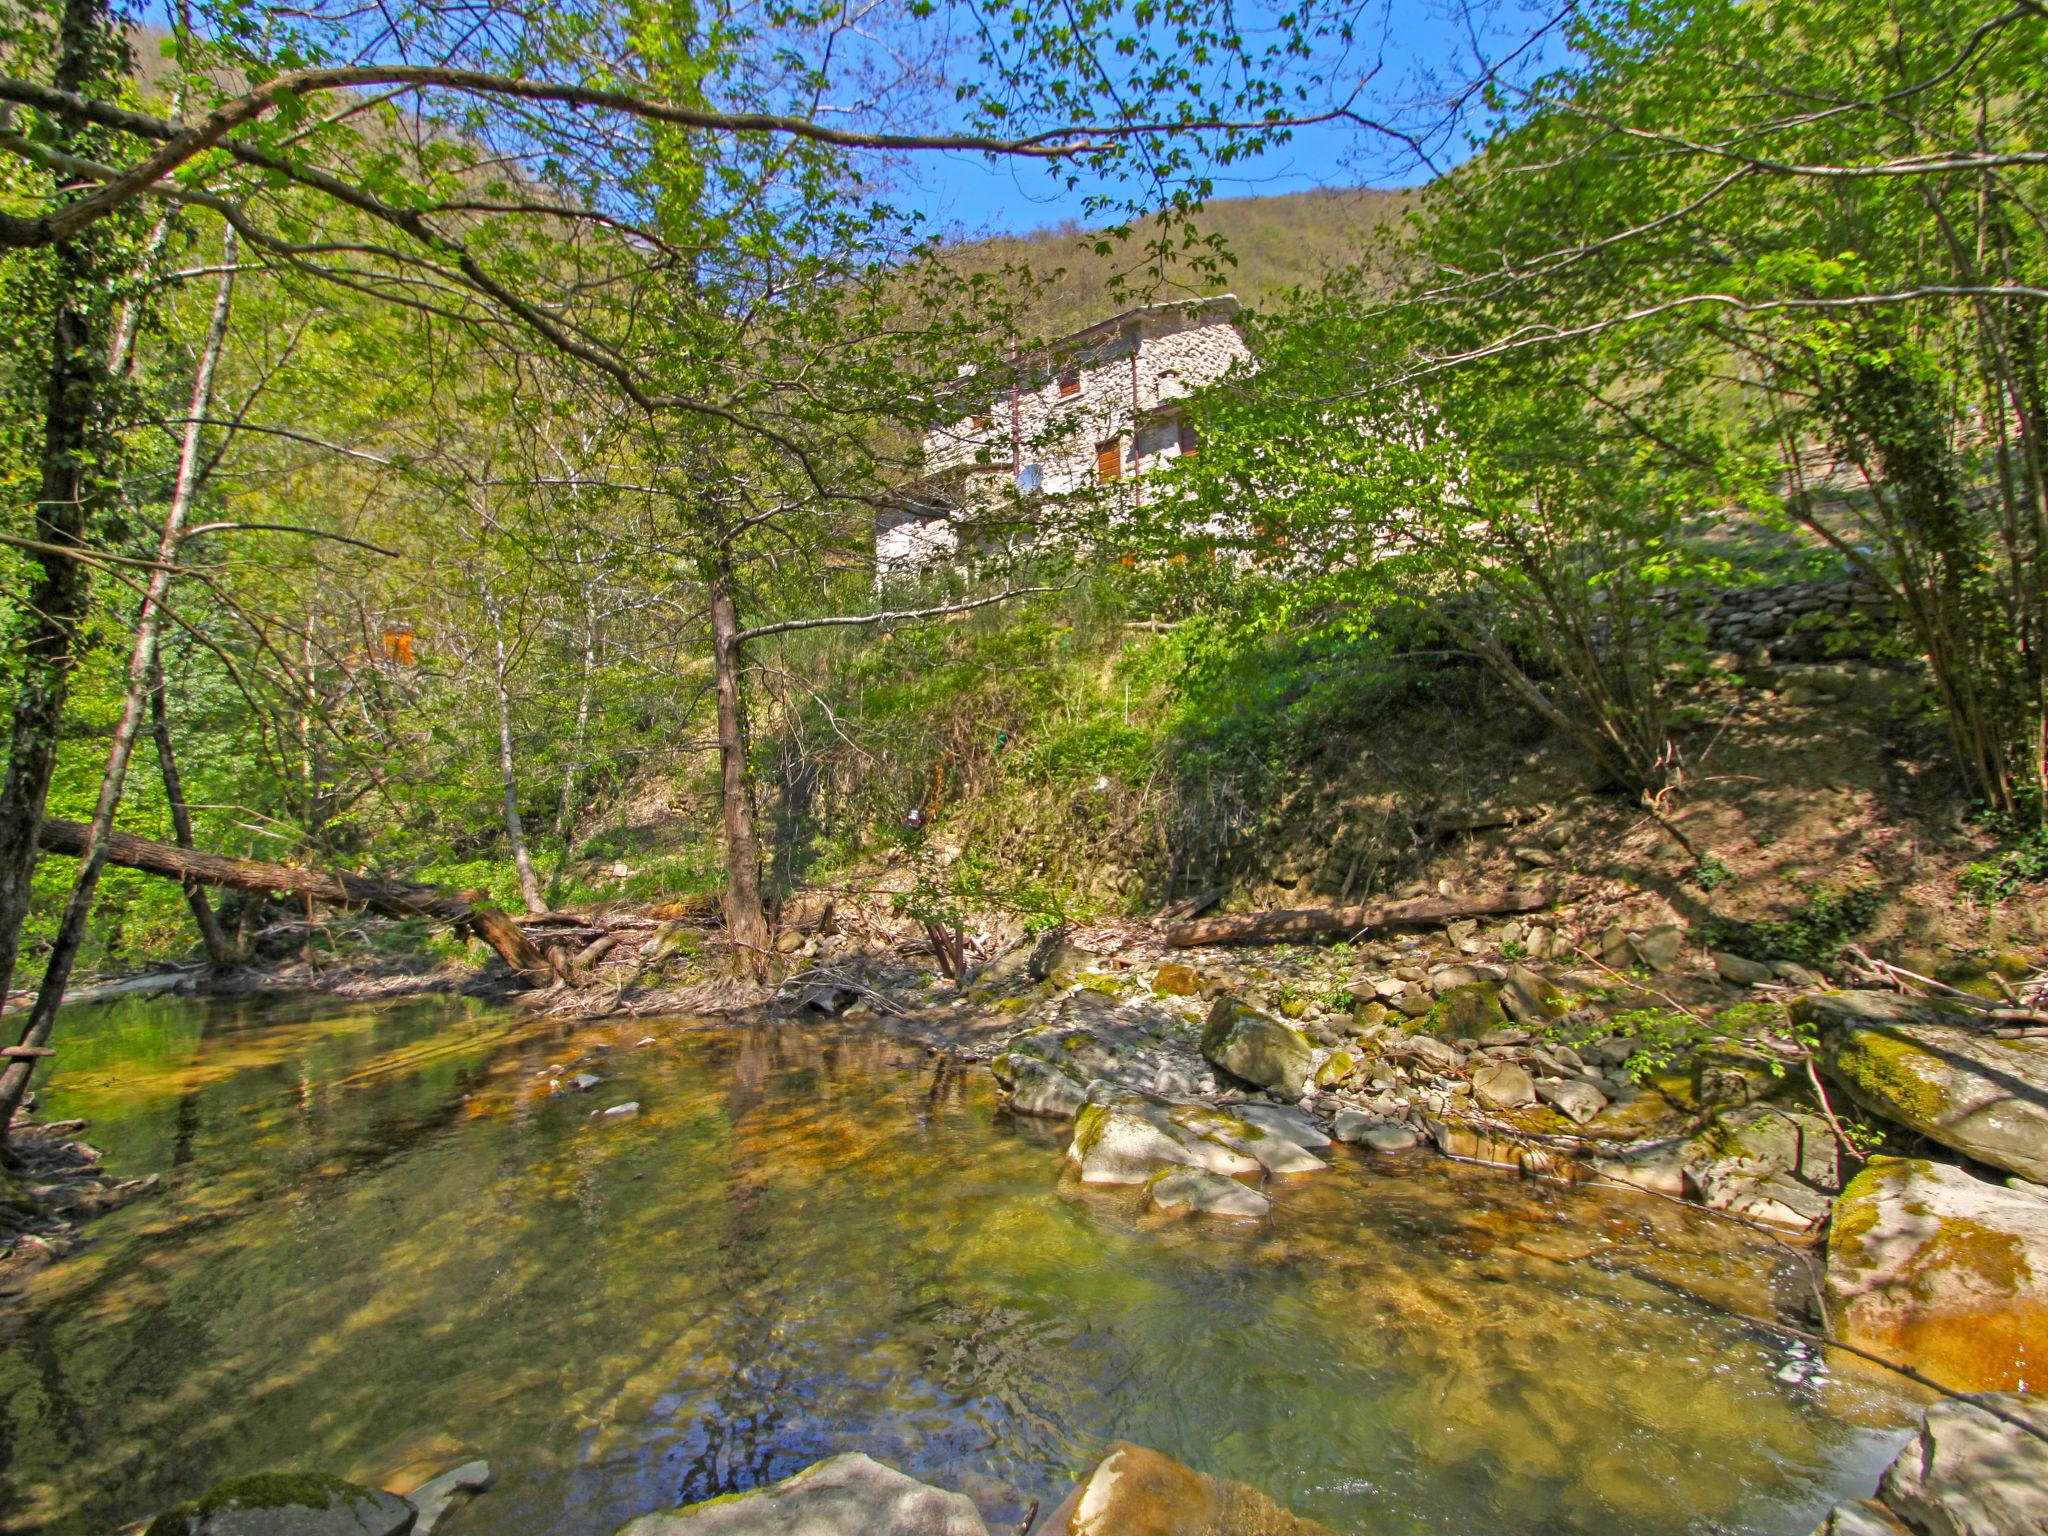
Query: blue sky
point(1420, 54)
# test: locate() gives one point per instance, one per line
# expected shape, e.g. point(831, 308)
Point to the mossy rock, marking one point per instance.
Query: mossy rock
point(1466, 1012)
point(1174, 979)
point(288, 1504)
point(1931, 1070)
point(1256, 1047)
point(1933, 1269)
point(1339, 1067)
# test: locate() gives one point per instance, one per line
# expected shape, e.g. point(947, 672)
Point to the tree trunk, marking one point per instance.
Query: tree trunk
point(508, 778)
point(142, 670)
point(1303, 922)
point(392, 898)
point(564, 821)
point(219, 951)
point(745, 920)
point(56, 604)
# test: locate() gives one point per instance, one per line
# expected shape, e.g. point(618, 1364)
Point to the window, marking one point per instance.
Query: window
point(1154, 438)
point(1109, 460)
point(1030, 480)
point(1188, 441)
point(1070, 383)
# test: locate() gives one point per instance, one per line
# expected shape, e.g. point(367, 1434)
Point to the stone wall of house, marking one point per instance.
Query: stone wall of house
point(1126, 375)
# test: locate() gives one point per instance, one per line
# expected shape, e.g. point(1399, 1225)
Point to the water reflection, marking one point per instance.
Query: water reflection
point(389, 1237)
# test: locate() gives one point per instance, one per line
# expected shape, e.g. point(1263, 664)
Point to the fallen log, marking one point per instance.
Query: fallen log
point(1306, 922)
point(393, 898)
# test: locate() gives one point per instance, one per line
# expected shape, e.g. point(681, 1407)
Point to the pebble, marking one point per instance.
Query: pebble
point(624, 1111)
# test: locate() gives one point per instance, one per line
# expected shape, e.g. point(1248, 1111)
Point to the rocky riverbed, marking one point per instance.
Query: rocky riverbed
point(1896, 1138)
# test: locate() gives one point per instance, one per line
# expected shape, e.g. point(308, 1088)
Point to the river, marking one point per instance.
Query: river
point(388, 1238)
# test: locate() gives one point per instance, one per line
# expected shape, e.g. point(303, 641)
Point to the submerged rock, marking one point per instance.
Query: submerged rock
point(1969, 1472)
point(850, 1495)
point(1136, 1492)
point(1038, 1088)
point(1924, 1067)
point(1204, 1193)
point(1257, 1047)
point(288, 1504)
point(439, 1494)
point(1934, 1269)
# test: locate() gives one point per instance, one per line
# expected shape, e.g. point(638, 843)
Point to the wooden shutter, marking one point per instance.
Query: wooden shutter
point(1070, 382)
point(1188, 441)
point(1109, 461)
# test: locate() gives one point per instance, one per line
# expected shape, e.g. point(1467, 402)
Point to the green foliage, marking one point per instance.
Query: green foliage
point(1711, 872)
point(1810, 935)
point(2021, 863)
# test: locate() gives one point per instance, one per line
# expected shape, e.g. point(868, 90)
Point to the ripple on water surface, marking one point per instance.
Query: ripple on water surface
point(385, 1241)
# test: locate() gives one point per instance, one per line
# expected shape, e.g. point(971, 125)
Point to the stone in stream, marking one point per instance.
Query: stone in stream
point(1925, 1066)
point(850, 1495)
point(1943, 1272)
point(288, 1504)
point(1375, 1131)
point(1205, 1194)
point(1257, 1047)
point(1502, 1085)
point(1783, 1139)
point(439, 1494)
point(1279, 1120)
point(1037, 1087)
point(625, 1111)
point(1126, 1141)
point(1577, 1101)
point(1137, 1492)
point(1230, 1128)
point(1969, 1472)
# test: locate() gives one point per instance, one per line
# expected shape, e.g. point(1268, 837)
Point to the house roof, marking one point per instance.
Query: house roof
point(1226, 302)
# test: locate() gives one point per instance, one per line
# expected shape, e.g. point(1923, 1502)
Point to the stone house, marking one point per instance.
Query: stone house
point(1100, 407)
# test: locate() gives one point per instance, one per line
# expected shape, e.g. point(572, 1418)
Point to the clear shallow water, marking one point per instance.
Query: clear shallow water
point(383, 1243)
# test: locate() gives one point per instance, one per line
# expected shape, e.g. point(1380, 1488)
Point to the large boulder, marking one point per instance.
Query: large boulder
point(1257, 1047)
point(1971, 1471)
point(1126, 1141)
point(1928, 1068)
point(288, 1504)
point(850, 1495)
point(1466, 1013)
point(1943, 1272)
point(1136, 1492)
